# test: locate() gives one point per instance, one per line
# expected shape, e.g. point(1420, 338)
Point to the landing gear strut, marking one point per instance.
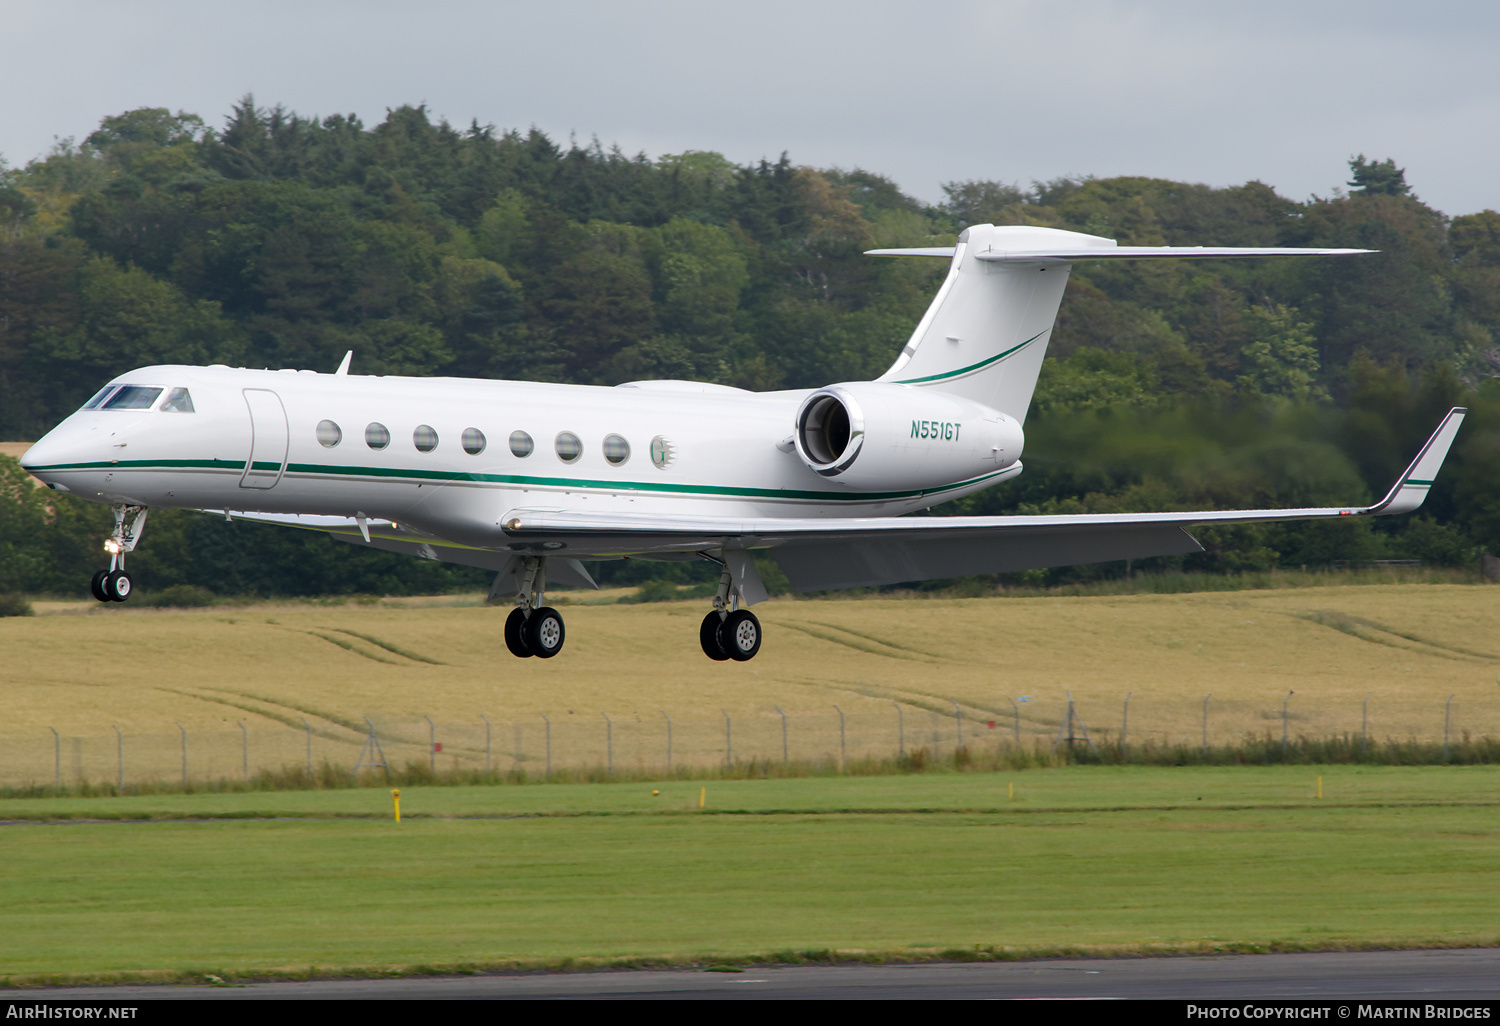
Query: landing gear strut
point(114, 584)
point(729, 632)
point(533, 629)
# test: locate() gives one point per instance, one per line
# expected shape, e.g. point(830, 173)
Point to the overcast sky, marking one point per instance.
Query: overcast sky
point(1283, 92)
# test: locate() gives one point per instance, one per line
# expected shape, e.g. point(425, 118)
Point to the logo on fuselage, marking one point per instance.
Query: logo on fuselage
point(662, 451)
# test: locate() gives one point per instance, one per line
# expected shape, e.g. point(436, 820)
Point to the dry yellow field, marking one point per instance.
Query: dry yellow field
point(85, 670)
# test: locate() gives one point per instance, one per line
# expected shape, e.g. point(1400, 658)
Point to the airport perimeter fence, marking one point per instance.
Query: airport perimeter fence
point(861, 737)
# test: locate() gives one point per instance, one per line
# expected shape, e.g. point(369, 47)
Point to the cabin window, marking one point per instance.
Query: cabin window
point(569, 448)
point(377, 437)
point(616, 450)
point(424, 438)
point(329, 434)
point(133, 397)
point(521, 444)
point(178, 401)
point(473, 441)
point(99, 397)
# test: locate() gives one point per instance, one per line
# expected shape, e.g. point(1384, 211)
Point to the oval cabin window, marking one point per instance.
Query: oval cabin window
point(377, 437)
point(424, 438)
point(616, 450)
point(329, 434)
point(473, 441)
point(569, 448)
point(521, 444)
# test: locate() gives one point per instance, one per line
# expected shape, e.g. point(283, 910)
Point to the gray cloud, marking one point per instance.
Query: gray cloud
point(1277, 91)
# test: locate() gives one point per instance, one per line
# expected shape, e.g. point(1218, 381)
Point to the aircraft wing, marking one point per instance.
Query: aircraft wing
point(1031, 256)
point(821, 554)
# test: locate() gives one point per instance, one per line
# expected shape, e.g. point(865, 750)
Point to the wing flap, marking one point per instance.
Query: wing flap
point(852, 564)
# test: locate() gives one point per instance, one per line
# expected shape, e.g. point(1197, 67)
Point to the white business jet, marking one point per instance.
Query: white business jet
point(529, 479)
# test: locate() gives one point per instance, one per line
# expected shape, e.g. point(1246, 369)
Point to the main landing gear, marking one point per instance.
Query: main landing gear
point(729, 632)
point(114, 584)
point(533, 629)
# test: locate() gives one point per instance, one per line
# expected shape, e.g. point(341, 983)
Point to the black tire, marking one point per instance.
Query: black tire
point(515, 633)
point(739, 635)
point(544, 632)
point(96, 586)
point(708, 637)
point(118, 585)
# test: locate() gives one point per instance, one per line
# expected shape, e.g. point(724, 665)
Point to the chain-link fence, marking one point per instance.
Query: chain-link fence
point(664, 742)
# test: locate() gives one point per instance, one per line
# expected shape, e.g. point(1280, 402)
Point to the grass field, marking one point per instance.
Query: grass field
point(1104, 860)
point(1408, 648)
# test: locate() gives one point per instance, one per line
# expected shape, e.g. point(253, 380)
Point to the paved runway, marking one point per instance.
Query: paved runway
point(1336, 976)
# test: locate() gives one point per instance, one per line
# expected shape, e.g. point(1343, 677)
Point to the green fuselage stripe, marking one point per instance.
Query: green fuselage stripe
point(521, 481)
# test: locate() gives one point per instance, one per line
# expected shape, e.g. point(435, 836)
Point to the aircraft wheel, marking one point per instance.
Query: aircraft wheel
point(117, 585)
point(544, 632)
point(515, 633)
point(708, 637)
point(739, 635)
point(96, 586)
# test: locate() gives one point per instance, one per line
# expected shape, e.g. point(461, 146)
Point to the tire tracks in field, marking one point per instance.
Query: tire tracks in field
point(916, 698)
point(274, 713)
point(859, 642)
point(1377, 633)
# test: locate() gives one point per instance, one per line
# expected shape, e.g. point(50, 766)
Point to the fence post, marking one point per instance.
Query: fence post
point(669, 742)
point(1017, 706)
point(1125, 727)
point(900, 731)
point(609, 744)
point(119, 760)
point(431, 744)
point(1204, 750)
point(728, 739)
point(960, 714)
point(1284, 701)
point(1447, 716)
point(1364, 727)
point(183, 729)
point(549, 745)
point(784, 759)
point(244, 750)
point(487, 763)
point(843, 761)
point(56, 756)
point(309, 748)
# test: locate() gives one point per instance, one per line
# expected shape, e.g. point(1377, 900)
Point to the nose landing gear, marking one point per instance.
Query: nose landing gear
point(533, 629)
point(114, 584)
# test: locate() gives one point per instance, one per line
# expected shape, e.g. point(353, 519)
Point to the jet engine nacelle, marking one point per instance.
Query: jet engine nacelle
point(871, 434)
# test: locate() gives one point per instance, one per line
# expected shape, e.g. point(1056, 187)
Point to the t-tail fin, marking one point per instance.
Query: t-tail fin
point(985, 335)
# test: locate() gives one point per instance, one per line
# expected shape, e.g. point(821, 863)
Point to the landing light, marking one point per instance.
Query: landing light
point(111, 546)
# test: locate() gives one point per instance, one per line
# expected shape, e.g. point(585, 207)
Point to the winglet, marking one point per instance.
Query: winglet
point(344, 363)
point(1411, 487)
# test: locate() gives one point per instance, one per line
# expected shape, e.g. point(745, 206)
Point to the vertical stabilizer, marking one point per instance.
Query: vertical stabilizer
point(985, 335)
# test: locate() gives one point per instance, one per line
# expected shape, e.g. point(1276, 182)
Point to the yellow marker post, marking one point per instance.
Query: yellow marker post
point(702, 796)
point(396, 798)
point(1010, 790)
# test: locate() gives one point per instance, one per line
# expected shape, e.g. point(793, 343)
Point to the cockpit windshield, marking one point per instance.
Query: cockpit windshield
point(132, 397)
point(178, 401)
point(99, 397)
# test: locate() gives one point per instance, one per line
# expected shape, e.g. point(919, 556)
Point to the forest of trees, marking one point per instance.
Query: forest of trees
point(282, 241)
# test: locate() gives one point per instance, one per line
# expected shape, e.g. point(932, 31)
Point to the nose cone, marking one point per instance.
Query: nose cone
point(60, 450)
